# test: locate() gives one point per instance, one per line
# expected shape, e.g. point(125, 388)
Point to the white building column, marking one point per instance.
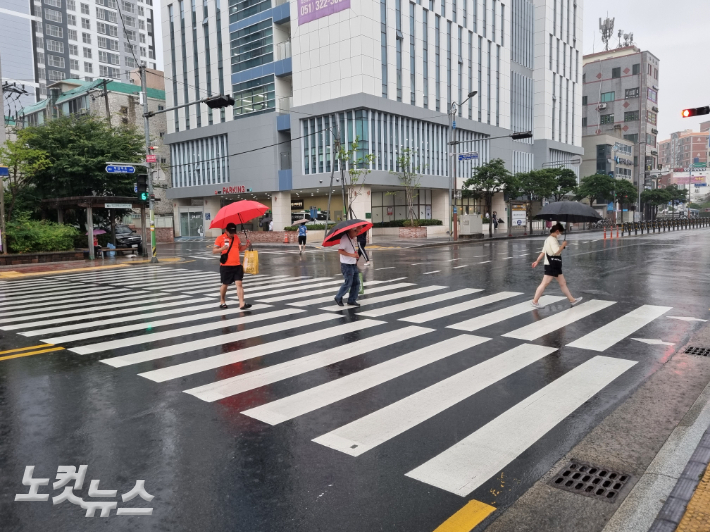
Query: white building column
point(281, 209)
point(362, 204)
point(440, 206)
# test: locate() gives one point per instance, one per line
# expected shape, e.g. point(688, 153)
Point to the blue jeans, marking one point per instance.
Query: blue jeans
point(351, 284)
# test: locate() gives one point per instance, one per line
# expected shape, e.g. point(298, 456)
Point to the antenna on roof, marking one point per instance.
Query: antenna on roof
point(606, 28)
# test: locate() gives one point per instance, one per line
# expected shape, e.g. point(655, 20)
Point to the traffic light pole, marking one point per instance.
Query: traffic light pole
point(151, 198)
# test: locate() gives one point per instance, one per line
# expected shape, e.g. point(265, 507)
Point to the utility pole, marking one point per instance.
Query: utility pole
point(151, 198)
point(4, 171)
point(336, 152)
point(452, 170)
point(108, 112)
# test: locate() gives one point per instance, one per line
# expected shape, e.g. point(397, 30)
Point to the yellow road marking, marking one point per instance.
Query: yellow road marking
point(25, 348)
point(32, 353)
point(466, 518)
point(17, 275)
point(697, 513)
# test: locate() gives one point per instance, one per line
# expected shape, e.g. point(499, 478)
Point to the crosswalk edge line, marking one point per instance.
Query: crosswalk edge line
point(467, 518)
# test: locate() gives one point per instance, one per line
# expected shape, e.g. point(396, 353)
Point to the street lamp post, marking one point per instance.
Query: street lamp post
point(453, 219)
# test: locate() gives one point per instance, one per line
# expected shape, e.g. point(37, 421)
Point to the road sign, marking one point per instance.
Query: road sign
point(118, 205)
point(151, 158)
point(135, 187)
point(114, 169)
point(468, 156)
point(4, 170)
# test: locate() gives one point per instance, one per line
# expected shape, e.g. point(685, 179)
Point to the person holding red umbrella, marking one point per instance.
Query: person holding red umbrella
point(344, 235)
point(230, 268)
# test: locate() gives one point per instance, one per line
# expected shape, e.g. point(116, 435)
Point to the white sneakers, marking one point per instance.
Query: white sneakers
point(537, 305)
point(576, 301)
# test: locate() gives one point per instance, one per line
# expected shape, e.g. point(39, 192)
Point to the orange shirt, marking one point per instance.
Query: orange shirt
point(233, 259)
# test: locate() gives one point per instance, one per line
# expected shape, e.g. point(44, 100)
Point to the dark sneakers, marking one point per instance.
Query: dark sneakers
point(339, 302)
point(354, 304)
point(246, 306)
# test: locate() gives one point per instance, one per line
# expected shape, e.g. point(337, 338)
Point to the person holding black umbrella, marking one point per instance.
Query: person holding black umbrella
point(551, 253)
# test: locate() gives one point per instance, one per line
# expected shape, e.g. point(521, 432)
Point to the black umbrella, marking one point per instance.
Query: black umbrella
point(333, 236)
point(569, 212)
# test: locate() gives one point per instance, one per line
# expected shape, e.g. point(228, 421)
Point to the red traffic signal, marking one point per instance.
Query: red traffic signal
point(687, 113)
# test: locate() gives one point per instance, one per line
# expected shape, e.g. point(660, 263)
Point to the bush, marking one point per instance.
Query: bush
point(33, 236)
point(406, 223)
point(310, 227)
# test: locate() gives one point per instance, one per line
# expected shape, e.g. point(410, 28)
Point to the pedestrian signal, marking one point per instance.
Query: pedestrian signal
point(142, 187)
point(687, 113)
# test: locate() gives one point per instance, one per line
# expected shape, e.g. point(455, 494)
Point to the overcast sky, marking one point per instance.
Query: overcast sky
point(674, 31)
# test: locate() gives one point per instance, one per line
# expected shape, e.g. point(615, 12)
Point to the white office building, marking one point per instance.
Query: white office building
point(384, 72)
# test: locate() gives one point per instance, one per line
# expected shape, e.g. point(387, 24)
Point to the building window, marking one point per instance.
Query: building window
point(86, 23)
point(616, 72)
point(651, 117)
point(85, 10)
point(73, 64)
point(71, 5)
point(109, 16)
point(203, 161)
point(651, 140)
point(398, 47)
point(54, 16)
point(88, 67)
point(608, 96)
point(584, 121)
point(130, 21)
point(425, 52)
point(412, 57)
point(252, 46)
point(111, 59)
point(632, 93)
point(129, 34)
point(55, 61)
point(55, 31)
point(437, 60)
point(141, 11)
point(130, 62)
point(655, 73)
point(607, 119)
point(633, 138)
point(56, 75)
point(241, 9)
point(383, 44)
point(71, 20)
point(87, 53)
point(108, 29)
point(55, 46)
point(584, 100)
point(109, 72)
point(449, 98)
point(636, 69)
point(86, 38)
point(128, 7)
point(653, 95)
point(254, 96)
point(631, 116)
point(108, 44)
point(72, 35)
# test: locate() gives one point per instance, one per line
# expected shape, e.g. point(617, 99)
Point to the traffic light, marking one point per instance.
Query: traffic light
point(218, 102)
point(142, 187)
point(687, 113)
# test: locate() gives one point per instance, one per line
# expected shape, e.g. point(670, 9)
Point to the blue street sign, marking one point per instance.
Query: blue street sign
point(135, 188)
point(454, 126)
point(112, 169)
point(4, 170)
point(468, 156)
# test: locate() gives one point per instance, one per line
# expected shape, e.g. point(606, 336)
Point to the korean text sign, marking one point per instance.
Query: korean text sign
point(309, 10)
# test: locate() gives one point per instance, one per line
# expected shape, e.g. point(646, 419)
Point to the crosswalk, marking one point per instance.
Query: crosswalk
point(163, 324)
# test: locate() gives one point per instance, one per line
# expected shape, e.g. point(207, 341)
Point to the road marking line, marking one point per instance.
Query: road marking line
point(331, 392)
point(683, 318)
point(74, 292)
point(653, 341)
point(286, 370)
point(310, 293)
point(74, 308)
point(389, 297)
point(446, 296)
point(15, 275)
point(471, 462)
point(388, 268)
point(467, 518)
point(377, 290)
point(289, 287)
point(612, 333)
point(460, 307)
point(484, 262)
point(87, 313)
point(484, 320)
point(164, 335)
point(32, 353)
point(225, 359)
point(558, 321)
point(429, 273)
point(457, 267)
point(126, 319)
point(376, 428)
point(45, 289)
point(24, 348)
point(90, 295)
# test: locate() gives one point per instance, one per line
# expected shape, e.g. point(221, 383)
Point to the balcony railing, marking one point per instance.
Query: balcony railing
point(284, 104)
point(283, 50)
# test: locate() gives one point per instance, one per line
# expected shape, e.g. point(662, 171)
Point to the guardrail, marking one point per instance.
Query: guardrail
point(663, 225)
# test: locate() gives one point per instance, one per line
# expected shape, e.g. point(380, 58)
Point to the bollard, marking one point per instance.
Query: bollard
point(617, 231)
point(636, 228)
point(605, 232)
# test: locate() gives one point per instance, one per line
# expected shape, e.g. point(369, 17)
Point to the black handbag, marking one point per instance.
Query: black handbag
point(225, 256)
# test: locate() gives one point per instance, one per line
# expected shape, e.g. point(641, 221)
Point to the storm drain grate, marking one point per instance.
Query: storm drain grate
point(591, 481)
point(700, 351)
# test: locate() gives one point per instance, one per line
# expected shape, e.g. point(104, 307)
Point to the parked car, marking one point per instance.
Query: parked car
point(127, 238)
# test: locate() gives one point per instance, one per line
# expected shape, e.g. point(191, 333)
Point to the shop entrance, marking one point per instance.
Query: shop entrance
point(191, 222)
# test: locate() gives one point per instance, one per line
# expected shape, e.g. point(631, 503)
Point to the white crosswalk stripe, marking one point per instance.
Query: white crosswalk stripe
point(368, 293)
point(282, 287)
point(80, 306)
point(46, 289)
point(331, 392)
point(460, 307)
point(389, 297)
point(557, 321)
point(137, 317)
point(186, 347)
point(54, 295)
point(419, 303)
point(472, 461)
point(167, 281)
point(87, 295)
point(262, 377)
point(155, 336)
point(310, 293)
point(612, 333)
point(88, 313)
point(485, 320)
point(213, 362)
point(382, 425)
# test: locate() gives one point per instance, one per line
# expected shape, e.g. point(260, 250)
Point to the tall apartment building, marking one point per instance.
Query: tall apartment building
point(383, 73)
point(45, 41)
point(683, 149)
point(620, 97)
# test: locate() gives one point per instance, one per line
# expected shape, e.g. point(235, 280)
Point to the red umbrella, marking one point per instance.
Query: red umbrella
point(334, 235)
point(238, 212)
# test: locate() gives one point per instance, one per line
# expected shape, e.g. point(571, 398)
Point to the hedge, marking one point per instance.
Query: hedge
point(37, 236)
point(406, 223)
point(311, 227)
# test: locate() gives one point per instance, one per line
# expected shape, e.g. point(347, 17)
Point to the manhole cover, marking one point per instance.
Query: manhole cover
point(591, 481)
point(700, 351)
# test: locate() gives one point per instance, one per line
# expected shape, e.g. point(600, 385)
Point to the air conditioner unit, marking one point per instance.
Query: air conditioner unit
point(617, 126)
point(602, 106)
point(655, 87)
point(654, 131)
point(655, 109)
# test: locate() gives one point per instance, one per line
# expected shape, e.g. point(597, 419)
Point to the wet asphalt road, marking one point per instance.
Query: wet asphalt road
point(211, 467)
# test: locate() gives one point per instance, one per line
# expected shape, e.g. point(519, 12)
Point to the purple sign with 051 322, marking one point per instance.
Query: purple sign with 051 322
point(309, 10)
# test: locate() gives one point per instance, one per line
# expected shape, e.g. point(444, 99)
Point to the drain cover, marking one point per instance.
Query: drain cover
point(591, 481)
point(700, 351)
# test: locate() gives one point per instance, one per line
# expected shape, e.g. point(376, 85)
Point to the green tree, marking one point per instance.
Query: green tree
point(78, 148)
point(533, 185)
point(409, 177)
point(24, 163)
point(676, 195)
point(565, 181)
point(596, 187)
point(655, 198)
point(488, 180)
point(354, 168)
point(625, 192)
